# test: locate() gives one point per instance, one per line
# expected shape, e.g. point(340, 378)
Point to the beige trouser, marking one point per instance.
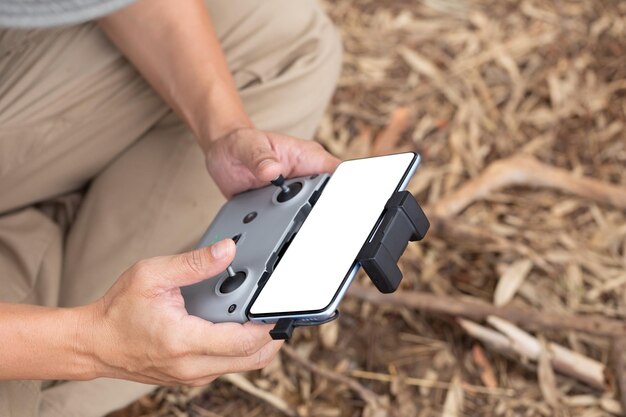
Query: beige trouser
point(96, 173)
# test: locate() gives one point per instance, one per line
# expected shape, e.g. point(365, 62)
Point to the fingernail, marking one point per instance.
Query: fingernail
point(220, 249)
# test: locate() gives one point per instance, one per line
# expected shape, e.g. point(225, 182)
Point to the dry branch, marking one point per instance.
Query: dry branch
point(525, 170)
point(618, 350)
point(521, 344)
point(369, 396)
point(244, 384)
point(479, 310)
point(427, 383)
point(564, 360)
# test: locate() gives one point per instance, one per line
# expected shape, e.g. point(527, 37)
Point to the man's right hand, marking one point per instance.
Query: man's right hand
point(141, 331)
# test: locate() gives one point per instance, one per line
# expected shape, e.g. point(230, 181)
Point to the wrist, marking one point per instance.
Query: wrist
point(45, 343)
point(94, 341)
point(84, 337)
point(218, 113)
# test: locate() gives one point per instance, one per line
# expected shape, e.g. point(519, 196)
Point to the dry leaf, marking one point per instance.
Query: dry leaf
point(453, 405)
point(611, 405)
point(329, 333)
point(547, 380)
point(487, 375)
point(510, 281)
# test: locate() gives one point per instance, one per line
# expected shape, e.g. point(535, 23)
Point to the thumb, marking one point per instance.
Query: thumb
point(191, 267)
point(260, 158)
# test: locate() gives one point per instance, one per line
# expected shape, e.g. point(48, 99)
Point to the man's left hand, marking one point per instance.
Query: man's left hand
point(248, 158)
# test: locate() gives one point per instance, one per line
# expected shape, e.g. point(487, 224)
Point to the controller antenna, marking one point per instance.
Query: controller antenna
point(280, 182)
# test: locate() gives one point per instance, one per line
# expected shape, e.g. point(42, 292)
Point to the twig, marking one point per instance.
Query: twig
point(525, 345)
point(245, 385)
point(527, 171)
point(455, 229)
point(479, 310)
point(369, 396)
point(564, 360)
point(387, 140)
point(418, 382)
point(618, 349)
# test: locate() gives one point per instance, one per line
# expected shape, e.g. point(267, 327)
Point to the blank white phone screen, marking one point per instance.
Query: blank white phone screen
point(324, 250)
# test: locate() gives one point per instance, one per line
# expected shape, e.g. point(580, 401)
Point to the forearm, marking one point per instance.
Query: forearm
point(45, 343)
point(174, 46)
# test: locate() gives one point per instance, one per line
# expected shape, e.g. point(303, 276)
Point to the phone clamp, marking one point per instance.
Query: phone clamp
point(284, 327)
point(403, 221)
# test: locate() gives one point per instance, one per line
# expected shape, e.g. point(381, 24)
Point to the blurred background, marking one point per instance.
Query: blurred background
point(514, 304)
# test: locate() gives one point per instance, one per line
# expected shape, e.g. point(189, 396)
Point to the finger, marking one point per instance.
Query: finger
point(198, 369)
point(203, 381)
point(306, 157)
point(257, 154)
point(225, 339)
point(191, 267)
point(326, 161)
point(258, 360)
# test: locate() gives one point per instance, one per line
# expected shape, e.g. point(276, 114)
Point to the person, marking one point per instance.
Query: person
point(104, 190)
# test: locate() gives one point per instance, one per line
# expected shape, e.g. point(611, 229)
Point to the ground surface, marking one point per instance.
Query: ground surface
point(493, 94)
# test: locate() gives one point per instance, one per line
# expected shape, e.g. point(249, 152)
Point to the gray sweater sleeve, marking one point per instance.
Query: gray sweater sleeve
point(46, 13)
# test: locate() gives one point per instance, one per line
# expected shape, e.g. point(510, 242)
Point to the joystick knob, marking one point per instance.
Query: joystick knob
point(280, 182)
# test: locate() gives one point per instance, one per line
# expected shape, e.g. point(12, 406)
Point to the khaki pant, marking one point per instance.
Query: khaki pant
point(97, 173)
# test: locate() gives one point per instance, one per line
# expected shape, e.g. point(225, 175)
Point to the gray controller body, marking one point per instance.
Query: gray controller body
point(261, 240)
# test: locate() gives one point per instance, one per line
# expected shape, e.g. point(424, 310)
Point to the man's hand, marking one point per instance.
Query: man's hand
point(248, 158)
point(142, 332)
point(186, 66)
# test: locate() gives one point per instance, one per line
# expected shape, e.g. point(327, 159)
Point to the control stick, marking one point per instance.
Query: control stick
point(280, 182)
point(230, 270)
point(287, 191)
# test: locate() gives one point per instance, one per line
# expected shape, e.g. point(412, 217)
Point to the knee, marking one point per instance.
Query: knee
point(327, 54)
point(305, 26)
point(298, 37)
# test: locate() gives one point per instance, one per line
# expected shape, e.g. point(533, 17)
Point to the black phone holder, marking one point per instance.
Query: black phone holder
point(403, 221)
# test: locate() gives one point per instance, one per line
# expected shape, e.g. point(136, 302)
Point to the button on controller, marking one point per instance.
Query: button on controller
point(249, 217)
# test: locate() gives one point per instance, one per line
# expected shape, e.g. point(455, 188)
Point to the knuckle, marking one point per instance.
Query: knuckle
point(202, 382)
point(142, 268)
point(264, 358)
point(249, 345)
point(141, 276)
point(194, 261)
point(174, 347)
point(185, 374)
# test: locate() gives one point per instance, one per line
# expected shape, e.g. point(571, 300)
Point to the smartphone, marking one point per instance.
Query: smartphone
point(317, 268)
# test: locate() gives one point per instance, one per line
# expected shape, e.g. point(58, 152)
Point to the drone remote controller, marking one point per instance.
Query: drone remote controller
point(262, 223)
